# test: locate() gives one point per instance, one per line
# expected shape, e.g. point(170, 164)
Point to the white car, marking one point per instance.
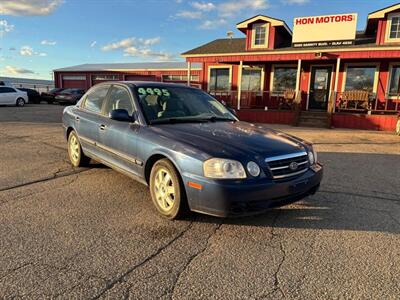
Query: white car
point(12, 96)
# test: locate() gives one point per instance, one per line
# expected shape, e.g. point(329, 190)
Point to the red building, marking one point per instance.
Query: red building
point(323, 73)
point(87, 75)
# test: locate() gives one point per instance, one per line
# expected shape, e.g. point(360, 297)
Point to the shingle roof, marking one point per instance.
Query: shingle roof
point(220, 46)
point(230, 46)
point(130, 66)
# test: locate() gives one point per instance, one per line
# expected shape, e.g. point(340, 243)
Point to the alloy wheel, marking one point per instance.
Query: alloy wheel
point(74, 149)
point(164, 190)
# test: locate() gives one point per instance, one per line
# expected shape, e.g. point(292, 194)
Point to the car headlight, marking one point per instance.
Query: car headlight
point(253, 169)
point(220, 168)
point(312, 156)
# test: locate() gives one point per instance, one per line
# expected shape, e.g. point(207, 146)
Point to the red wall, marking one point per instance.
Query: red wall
point(367, 122)
point(153, 75)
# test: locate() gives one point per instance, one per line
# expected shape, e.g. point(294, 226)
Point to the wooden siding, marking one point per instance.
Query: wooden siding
point(366, 122)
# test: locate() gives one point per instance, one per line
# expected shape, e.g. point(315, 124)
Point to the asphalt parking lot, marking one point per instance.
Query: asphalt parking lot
point(93, 233)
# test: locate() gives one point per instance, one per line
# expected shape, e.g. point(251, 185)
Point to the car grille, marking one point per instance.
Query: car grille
point(285, 166)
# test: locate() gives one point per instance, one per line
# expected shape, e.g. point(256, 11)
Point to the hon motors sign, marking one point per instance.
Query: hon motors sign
point(322, 31)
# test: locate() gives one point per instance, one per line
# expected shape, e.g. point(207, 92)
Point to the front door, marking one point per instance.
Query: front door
point(320, 87)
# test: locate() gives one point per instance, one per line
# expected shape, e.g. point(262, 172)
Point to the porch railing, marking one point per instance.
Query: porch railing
point(349, 101)
point(364, 102)
point(257, 100)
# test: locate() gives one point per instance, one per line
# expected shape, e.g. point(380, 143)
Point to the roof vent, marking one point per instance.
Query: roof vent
point(230, 34)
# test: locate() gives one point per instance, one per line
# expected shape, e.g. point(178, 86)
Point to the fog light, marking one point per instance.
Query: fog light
point(311, 157)
point(253, 169)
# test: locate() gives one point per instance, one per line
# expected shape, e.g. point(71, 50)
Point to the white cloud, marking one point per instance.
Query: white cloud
point(139, 47)
point(5, 27)
point(17, 71)
point(92, 44)
point(212, 24)
point(300, 2)
point(231, 8)
point(203, 6)
point(187, 14)
point(29, 7)
point(217, 14)
point(48, 43)
point(28, 51)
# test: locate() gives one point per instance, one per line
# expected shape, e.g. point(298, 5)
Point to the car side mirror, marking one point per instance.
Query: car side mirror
point(231, 110)
point(121, 115)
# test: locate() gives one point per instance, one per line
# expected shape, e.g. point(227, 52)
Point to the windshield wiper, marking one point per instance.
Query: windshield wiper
point(215, 118)
point(177, 120)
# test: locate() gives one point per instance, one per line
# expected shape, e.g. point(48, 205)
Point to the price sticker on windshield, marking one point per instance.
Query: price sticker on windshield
point(154, 91)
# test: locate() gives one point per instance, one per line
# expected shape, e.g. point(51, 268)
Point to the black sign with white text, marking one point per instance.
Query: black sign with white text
point(323, 44)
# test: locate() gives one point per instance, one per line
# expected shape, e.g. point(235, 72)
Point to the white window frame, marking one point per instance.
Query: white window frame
point(253, 35)
point(74, 77)
point(391, 66)
point(276, 66)
point(389, 26)
point(258, 68)
point(220, 67)
point(366, 64)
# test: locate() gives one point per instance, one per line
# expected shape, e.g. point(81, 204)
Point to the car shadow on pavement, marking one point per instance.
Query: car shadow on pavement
point(359, 192)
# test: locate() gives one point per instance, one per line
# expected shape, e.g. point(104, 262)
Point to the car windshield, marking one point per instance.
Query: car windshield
point(180, 104)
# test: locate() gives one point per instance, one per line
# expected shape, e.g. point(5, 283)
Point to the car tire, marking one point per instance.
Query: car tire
point(20, 102)
point(167, 190)
point(398, 127)
point(50, 101)
point(75, 152)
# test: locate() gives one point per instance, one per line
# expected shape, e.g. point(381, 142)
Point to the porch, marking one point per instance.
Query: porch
point(352, 91)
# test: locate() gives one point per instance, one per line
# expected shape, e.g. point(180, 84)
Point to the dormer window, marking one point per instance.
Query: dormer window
point(393, 28)
point(260, 35)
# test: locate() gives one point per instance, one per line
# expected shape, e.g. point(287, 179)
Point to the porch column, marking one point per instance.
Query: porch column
point(239, 84)
point(298, 78)
point(336, 84)
point(189, 69)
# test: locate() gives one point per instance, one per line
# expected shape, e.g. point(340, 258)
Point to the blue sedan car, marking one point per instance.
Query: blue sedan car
point(192, 152)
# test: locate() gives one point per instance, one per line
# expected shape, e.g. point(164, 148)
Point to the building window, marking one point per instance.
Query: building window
point(360, 78)
point(394, 33)
point(180, 78)
point(259, 35)
point(284, 79)
point(105, 77)
point(74, 77)
point(219, 79)
point(251, 80)
point(394, 81)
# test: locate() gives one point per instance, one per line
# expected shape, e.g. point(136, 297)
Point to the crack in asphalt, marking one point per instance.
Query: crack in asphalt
point(111, 283)
point(56, 175)
point(191, 258)
point(277, 282)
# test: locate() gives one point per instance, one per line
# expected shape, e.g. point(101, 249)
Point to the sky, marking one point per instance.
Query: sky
point(38, 36)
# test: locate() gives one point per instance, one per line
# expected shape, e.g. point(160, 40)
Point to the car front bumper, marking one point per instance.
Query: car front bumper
point(239, 198)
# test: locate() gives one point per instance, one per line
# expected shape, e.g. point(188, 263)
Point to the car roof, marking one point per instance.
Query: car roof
point(147, 84)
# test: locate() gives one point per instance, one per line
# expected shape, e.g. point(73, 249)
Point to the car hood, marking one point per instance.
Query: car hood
point(231, 139)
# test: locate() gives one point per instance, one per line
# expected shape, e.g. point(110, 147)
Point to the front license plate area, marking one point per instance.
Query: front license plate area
point(298, 186)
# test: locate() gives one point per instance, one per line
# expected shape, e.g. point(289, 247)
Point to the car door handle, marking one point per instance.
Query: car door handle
point(77, 119)
point(102, 127)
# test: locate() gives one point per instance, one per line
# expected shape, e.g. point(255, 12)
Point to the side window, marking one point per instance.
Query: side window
point(95, 99)
point(119, 99)
point(7, 90)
